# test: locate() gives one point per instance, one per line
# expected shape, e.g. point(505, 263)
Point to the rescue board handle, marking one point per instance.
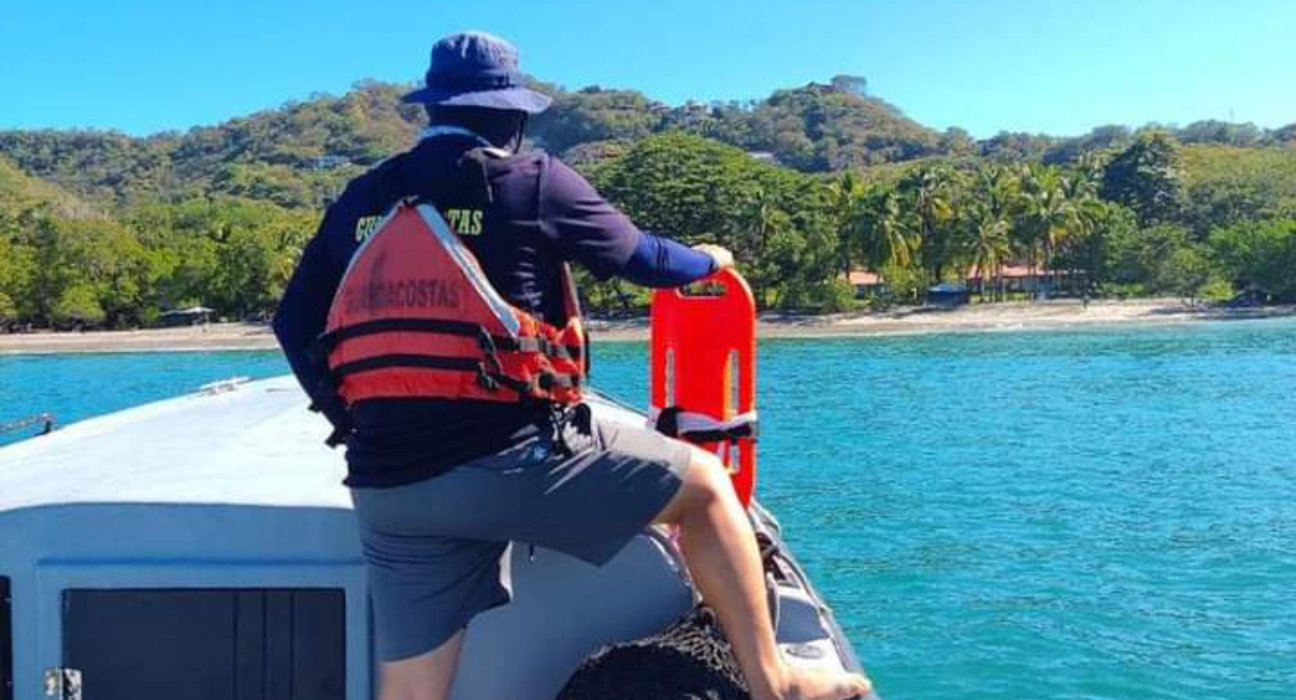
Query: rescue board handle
point(703, 362)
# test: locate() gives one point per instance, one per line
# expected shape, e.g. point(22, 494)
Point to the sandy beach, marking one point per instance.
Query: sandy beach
point(1053, 315)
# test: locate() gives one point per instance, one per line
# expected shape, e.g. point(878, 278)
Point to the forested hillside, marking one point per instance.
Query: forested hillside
point(297, 154)
point(815, 128)
point(100, 228)
point(20, 192)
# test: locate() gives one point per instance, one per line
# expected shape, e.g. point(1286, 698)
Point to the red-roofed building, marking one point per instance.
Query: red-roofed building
point(865, 282)
point(1016, 278)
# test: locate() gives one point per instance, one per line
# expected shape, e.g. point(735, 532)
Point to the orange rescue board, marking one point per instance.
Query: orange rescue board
point(703, 360)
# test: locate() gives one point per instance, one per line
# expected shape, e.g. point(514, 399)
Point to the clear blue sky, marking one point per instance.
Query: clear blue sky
point(1053, 66)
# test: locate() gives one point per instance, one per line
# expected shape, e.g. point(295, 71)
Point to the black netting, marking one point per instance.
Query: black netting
point(689, 661)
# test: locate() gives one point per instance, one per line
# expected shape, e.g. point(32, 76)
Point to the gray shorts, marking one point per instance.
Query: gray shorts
point(434, 548)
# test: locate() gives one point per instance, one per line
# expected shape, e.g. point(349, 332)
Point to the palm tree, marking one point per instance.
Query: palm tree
point(989, 224)
point(989, 246)
point(887, 234)
point(1047, 217)
point(760, 221)
point(931, 192)
point(845, 194)
point(1087, 206)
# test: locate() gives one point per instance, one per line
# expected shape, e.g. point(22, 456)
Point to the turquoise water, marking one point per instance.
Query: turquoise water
point(1021, 515)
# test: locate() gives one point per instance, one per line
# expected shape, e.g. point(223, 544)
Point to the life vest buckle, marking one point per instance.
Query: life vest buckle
point(485, 380)
point(490, 350)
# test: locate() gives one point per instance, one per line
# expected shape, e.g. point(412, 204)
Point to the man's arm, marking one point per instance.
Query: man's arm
point(590, 231)
point(301, 318)
point(662, 262)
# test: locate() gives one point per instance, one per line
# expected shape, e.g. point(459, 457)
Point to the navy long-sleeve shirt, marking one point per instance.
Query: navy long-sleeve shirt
point(522, 216)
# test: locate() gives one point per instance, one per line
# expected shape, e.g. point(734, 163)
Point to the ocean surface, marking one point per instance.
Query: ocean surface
point(1097, 514)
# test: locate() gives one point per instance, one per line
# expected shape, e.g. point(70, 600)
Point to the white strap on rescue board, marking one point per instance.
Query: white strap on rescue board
point(689, 422)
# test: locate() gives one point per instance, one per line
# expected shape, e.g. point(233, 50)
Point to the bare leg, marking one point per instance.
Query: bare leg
point(426, 677)
point(722, 556)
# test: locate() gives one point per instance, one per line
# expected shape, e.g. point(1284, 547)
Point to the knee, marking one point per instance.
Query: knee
point(710, 478)
point(706, 488)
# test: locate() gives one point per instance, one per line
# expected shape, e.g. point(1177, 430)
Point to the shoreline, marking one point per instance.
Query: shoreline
point(999, 317)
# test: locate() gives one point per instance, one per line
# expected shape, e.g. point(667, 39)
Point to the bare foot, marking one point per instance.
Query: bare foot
point(819, 684)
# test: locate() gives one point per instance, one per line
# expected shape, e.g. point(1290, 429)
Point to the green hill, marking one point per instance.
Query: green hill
point(593, 115)
point(20, 192)
point(826, 127)
point(815, 128)
point(299, 154)
point(99, 228)
point(1228, 183)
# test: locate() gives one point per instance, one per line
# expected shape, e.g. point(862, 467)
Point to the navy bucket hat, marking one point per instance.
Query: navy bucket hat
point(476, 69)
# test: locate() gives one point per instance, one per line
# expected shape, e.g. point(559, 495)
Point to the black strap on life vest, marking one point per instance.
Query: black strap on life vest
point(489, 372)
point(464, 329)
point(489, 377)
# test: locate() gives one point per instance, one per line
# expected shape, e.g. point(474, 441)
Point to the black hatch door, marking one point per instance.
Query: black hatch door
point(265, 644)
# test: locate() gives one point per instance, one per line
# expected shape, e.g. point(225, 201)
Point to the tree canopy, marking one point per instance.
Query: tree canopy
point(103, 229)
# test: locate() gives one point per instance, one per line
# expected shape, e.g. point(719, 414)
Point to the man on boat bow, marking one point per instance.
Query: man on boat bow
point(433, 321)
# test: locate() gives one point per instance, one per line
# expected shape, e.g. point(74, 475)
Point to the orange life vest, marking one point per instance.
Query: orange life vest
point(415, 317)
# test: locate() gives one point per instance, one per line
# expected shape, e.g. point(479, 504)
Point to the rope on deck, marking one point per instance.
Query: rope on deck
point(691, 660)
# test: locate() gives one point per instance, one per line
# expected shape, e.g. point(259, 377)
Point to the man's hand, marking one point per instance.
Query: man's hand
point(723, 258)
